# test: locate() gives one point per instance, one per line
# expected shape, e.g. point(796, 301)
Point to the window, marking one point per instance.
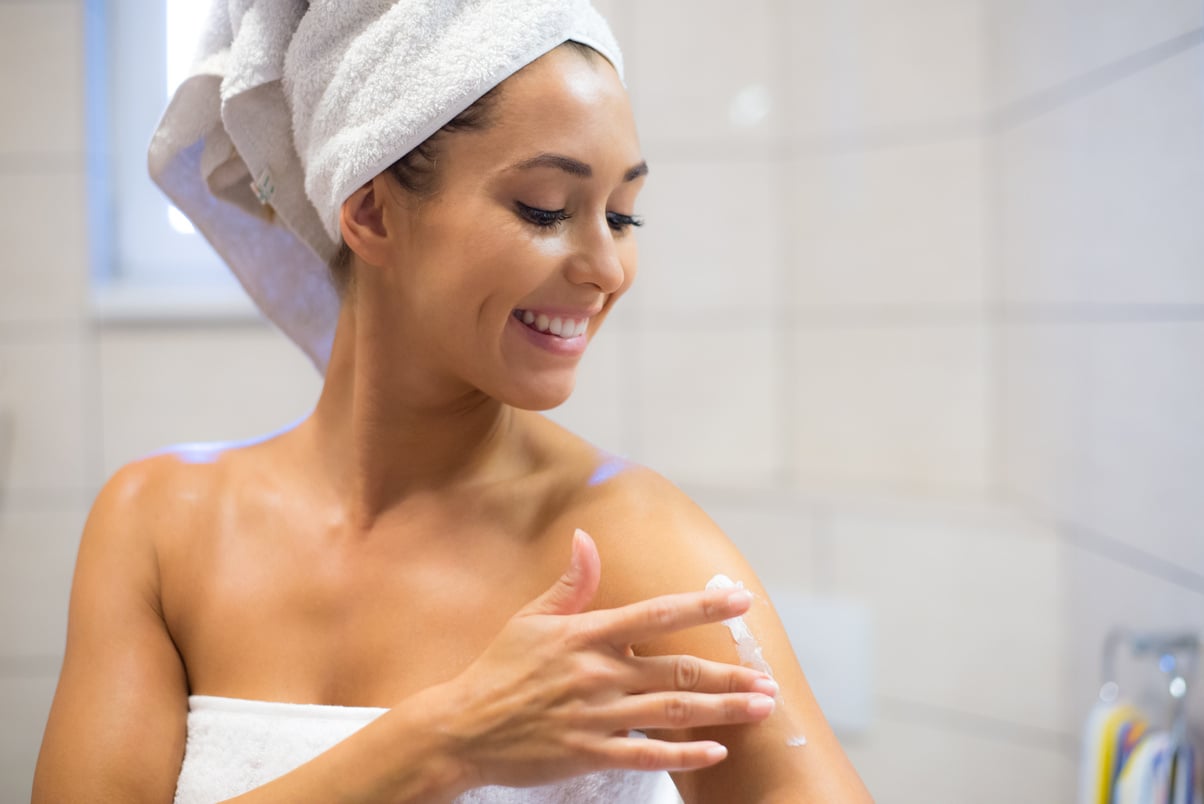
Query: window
point(148, 262)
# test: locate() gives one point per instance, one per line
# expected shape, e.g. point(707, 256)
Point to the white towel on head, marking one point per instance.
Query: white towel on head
point(293, 105)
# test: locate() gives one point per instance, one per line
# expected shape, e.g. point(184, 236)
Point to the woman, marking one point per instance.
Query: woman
point(402, 551)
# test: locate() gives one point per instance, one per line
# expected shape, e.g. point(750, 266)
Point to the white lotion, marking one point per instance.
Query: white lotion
point(746, 643)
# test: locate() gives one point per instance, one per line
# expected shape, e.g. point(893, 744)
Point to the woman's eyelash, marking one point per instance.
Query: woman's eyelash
point(543, 218)
point(619, 222)
point(548, 218)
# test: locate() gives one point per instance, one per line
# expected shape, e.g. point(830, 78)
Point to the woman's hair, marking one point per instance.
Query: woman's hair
point(415, 171)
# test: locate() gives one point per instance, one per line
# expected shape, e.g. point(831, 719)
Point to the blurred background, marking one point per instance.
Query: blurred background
point(920, 322)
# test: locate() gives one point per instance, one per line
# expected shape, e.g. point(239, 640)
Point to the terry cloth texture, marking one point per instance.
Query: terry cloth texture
point(237, 745)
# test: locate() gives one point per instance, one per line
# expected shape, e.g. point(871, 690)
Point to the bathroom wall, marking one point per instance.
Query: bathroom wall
point(1097, 262)
point(815, 340)
point(914, 323)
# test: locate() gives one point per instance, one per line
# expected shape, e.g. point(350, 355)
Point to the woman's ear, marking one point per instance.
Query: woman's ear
point(363, 223)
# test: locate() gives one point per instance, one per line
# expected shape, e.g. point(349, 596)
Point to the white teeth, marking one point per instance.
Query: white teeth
point(560, 327)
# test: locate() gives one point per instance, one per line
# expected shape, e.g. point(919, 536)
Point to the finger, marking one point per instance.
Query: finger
point(573, 591)
point(639, 622)
point(691, 674)
point(684, 710)
point(635, 753)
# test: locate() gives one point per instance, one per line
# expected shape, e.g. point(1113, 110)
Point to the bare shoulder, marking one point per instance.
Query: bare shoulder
point(654, 540)
point(652, 537)
point(140, 498)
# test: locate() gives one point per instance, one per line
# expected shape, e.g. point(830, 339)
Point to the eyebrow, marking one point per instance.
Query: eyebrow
point(575, 167)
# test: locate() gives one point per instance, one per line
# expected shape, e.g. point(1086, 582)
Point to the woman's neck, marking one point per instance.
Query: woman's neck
point(385, 429)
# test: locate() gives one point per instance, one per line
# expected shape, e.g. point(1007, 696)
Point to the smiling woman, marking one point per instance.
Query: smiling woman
point(374, 605)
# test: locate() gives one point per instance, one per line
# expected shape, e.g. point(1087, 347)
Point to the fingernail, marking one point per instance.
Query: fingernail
point(766, 686)
point(760, 706)
point(579, 537)
point(740, 598)
point(716, 753)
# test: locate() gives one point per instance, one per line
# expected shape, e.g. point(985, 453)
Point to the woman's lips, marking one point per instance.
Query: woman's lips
point(560, 326)
point(541, 331)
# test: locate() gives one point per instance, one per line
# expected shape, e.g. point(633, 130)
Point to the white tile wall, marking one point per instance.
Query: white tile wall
point(893, 226)
point(1100, 199)
point(892, 408)
point(45, 363)
point(1105, 428)
point(776, 535)
point(37, 558)
point(707, 404)
point(985, 635)
point(700, 71)
point(41, 57)
point(873, 65)
point(713, 241)
point(930, 763)
point(1044, 397)
point(1145, 450)
point(1099, 409)
point(25, 704)
point(42, 384)
point(1038, 44)
point(42, 229)
point(166, 386)
point(596, 409)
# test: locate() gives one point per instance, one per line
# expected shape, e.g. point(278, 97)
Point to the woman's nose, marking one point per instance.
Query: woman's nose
point(597, 261)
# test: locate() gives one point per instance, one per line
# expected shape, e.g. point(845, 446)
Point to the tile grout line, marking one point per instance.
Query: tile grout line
point(785, 353)
point(929, 316)
point(903, 710)
point(1108, 547)
point(993, 267)
point(1019, 112)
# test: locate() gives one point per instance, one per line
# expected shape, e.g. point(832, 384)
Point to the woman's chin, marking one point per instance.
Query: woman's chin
point(542, 397)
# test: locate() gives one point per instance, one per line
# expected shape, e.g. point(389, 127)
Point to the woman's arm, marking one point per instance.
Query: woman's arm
point(655, 540)
point(549, 699)
point(116, 728)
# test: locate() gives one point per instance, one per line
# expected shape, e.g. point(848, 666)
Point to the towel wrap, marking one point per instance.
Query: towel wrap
point(235, 745)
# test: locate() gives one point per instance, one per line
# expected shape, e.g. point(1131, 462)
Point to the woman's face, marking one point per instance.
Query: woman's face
point(503, 275)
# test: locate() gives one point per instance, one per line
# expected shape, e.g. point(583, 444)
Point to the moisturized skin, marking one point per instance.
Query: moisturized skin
point(425, 502)
point(751, 654)
point(749, 648)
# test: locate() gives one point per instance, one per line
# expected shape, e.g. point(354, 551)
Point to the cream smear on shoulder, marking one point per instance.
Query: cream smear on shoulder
point(747, 646)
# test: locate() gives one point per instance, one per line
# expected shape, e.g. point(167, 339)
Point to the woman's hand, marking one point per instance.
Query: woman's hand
point(558, 690)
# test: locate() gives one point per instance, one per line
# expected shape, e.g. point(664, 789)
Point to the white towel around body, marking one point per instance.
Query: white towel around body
point(236, 745)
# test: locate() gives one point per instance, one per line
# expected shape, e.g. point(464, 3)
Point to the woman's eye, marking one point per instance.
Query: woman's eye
point(543, 218)
point(620, 222)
